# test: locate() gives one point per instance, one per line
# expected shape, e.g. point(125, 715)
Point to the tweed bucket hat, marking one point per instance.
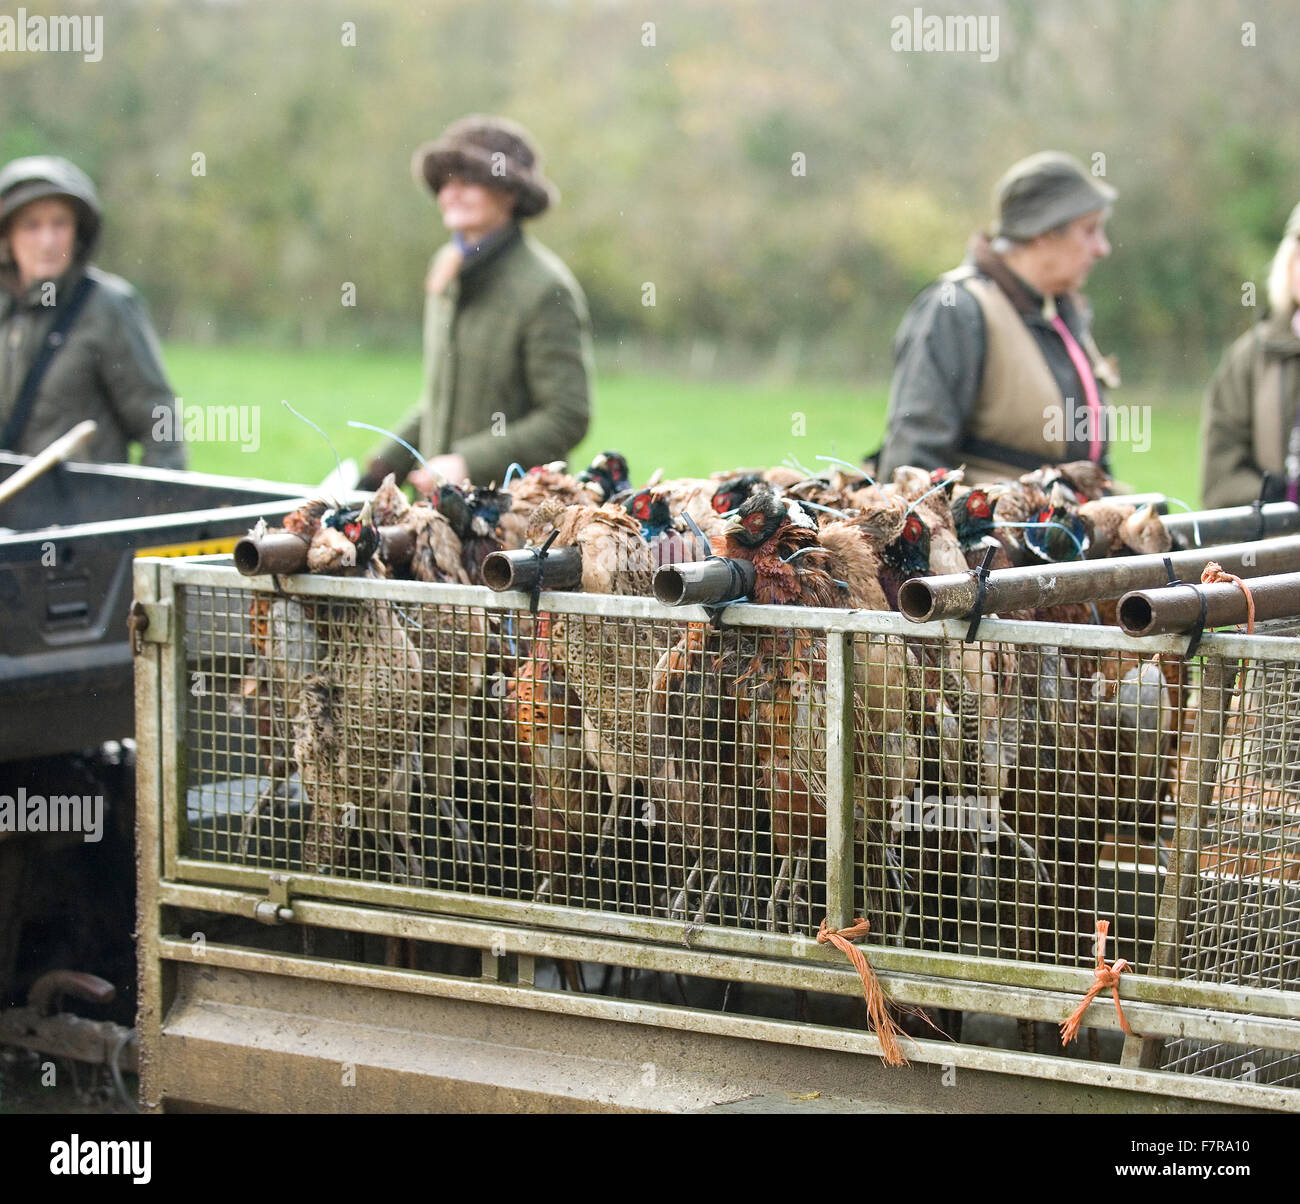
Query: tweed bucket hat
point(492, 151)
point(1045, 191)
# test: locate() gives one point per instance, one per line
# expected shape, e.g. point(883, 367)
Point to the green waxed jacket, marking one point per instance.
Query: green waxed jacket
point(1248, 414)
point(507, 364)
point(109, 369)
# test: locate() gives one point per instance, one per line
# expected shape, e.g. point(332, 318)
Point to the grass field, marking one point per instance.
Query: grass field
point(686, 425)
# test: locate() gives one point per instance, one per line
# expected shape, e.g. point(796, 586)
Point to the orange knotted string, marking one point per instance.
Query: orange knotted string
point(877, 1003)
point(1107, 979)
point(1214, 574)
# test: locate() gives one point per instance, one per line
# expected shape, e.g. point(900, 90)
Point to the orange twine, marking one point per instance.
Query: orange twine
point(1107, 979)
point(1214, 574)
point(877, 1002)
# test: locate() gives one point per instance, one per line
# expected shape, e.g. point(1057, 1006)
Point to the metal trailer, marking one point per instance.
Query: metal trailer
point(67, 544)
point(359, 891)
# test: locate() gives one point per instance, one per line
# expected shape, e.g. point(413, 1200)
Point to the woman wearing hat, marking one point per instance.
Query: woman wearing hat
point(1250, 429)
point(994, 364)
point(75, 342)
point(507, 343)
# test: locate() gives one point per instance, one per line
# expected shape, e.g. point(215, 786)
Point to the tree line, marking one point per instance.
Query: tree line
point(757, 182)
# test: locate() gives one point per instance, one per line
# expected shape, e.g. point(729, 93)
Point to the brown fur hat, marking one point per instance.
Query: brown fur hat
point(493, 151)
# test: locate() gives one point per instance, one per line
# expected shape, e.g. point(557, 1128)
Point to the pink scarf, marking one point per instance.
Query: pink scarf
point(1090, 390)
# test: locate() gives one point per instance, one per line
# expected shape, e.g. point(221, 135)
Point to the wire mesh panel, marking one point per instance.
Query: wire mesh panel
point(737, 775)
point(1241, 907)
point(1274, 1067)
point(1245, 923)
point(595, 762)
point(1023, 789)
point(335, 737)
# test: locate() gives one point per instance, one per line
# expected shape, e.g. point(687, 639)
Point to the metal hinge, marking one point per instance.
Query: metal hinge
point(148, 623)
point(275, 908)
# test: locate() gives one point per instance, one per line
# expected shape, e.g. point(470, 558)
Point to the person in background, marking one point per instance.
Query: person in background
point(1250, 424)
point(75, 342)
point(507, 340)
point(994, 364)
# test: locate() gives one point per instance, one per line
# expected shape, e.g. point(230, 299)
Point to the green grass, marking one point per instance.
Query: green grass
point(686, 426)
point(328, 386)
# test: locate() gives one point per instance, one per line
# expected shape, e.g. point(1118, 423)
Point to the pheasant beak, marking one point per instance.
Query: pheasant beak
point(367, 516)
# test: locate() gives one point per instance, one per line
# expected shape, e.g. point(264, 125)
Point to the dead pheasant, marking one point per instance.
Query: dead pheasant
point(615, 554)
point(438, 553)
point(538, 485)
point(568, 803)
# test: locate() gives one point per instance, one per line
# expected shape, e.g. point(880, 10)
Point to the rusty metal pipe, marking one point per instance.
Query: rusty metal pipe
point(1234, 522)
point(1178, 608)
point(274, 552)
point(709, 582)
point(282, 552)
point(527, 569)
point(952, 596)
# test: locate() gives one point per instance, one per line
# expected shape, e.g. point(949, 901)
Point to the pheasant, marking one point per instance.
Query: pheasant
point(905, 557)
point(1060, 533)
point(1015, 504)
point(910, 484)
point(615, 554)
point(702, 777)
point(784, 696)
point(733, 490)
point(329, 534)
point(946, 552)
point(538, 485)
point(669, 542)
point(389, 504)
point(1107, 518)
point(339, 540)
point(571, 751)
point(320, 666)
point(356, 738)
point(972, 514)
point(831, 491)
point(437, 555)
point(607, 474)
point(1086, 479)
point(554, 743)
point(487, 508)
point(854, 557)
point(766, 532)
point(1144, 532)
point(339, 698)
point(693, 497)
point(344, 542)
